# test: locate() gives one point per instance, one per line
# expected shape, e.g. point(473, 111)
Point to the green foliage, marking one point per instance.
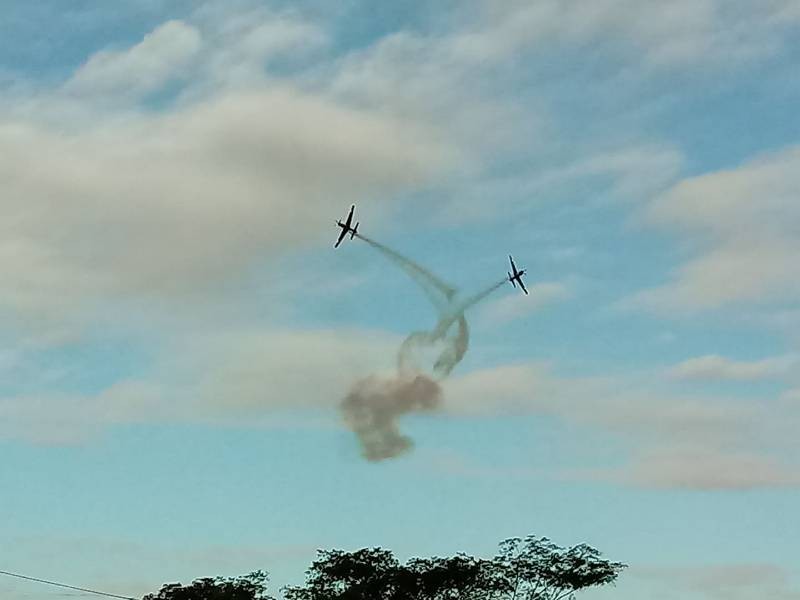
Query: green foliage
point(247, 587)
point(536, 569)
point(367, 574)
point(530, 568)
point(524, 569)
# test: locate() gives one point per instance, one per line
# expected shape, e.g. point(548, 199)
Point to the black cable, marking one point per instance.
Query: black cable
point(64, 585)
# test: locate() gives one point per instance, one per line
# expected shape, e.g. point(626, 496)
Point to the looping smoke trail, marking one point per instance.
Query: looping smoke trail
point(374, 404)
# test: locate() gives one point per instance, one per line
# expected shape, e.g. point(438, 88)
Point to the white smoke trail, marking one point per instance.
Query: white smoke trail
point(374, 404)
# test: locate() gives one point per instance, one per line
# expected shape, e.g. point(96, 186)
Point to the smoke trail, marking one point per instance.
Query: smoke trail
point(438, 292)
point(374, 405)
point(450, 312)
point(372, 408)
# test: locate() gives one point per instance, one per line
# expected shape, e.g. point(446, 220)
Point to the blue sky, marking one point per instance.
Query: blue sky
point(177, 331)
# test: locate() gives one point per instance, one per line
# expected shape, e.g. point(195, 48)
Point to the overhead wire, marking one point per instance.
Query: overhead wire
point(65, 586)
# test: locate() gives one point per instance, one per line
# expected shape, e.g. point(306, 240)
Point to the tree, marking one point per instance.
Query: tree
point(524, 569)
point(460, 577)
point(366, 574)
point(536, 569)
point(247, 587)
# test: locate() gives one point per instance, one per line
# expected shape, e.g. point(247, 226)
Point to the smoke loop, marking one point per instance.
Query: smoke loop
point(374, 404)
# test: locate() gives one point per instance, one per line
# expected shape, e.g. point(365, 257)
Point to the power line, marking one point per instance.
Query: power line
point(64, 585)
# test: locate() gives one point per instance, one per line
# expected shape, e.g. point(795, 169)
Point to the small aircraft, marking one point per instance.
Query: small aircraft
point(516, 276)
point(346, 228)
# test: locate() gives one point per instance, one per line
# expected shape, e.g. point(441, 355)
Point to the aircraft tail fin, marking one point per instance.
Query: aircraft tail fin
point(354, 231)
point(511, 279)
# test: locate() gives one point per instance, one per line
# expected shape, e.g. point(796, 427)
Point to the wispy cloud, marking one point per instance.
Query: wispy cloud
point(674, 440)
point(166, 204)
point(682, 34)
point(714, 367)
point(517, 306)
point(703, 468)
point(742, 223)
point(723, 581)
point(248, 378)
point(133, 204)
point(162, 55)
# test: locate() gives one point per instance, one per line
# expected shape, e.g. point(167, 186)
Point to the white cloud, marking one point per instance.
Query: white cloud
point(148, 221)
point(714, 367)
point(506, 390)
point(675, 440)
point(108, 203)
point(267, 378)
point(246, 374)
point(168, 203)
point(618, 404)
point(452, 75)
point(636, 171)
point(743, 225)
point(517, 306)
point(684, 34)
point(162, 55)
point(242, 46)
point(455, 78)
point(702, 468)
point(742, 581)
point(416, 76)
point(248, 378)
point(131, 205)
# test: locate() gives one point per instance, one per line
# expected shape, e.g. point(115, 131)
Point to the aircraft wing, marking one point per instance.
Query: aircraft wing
point(341, 237)
point(522, 285)
point(349, 220)
point(513, 266)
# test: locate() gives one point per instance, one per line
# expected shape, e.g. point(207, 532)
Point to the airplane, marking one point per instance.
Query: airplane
point(346, 227)
point(517, 276)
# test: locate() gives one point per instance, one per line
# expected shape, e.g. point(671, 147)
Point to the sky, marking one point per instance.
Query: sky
point(177, 332)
